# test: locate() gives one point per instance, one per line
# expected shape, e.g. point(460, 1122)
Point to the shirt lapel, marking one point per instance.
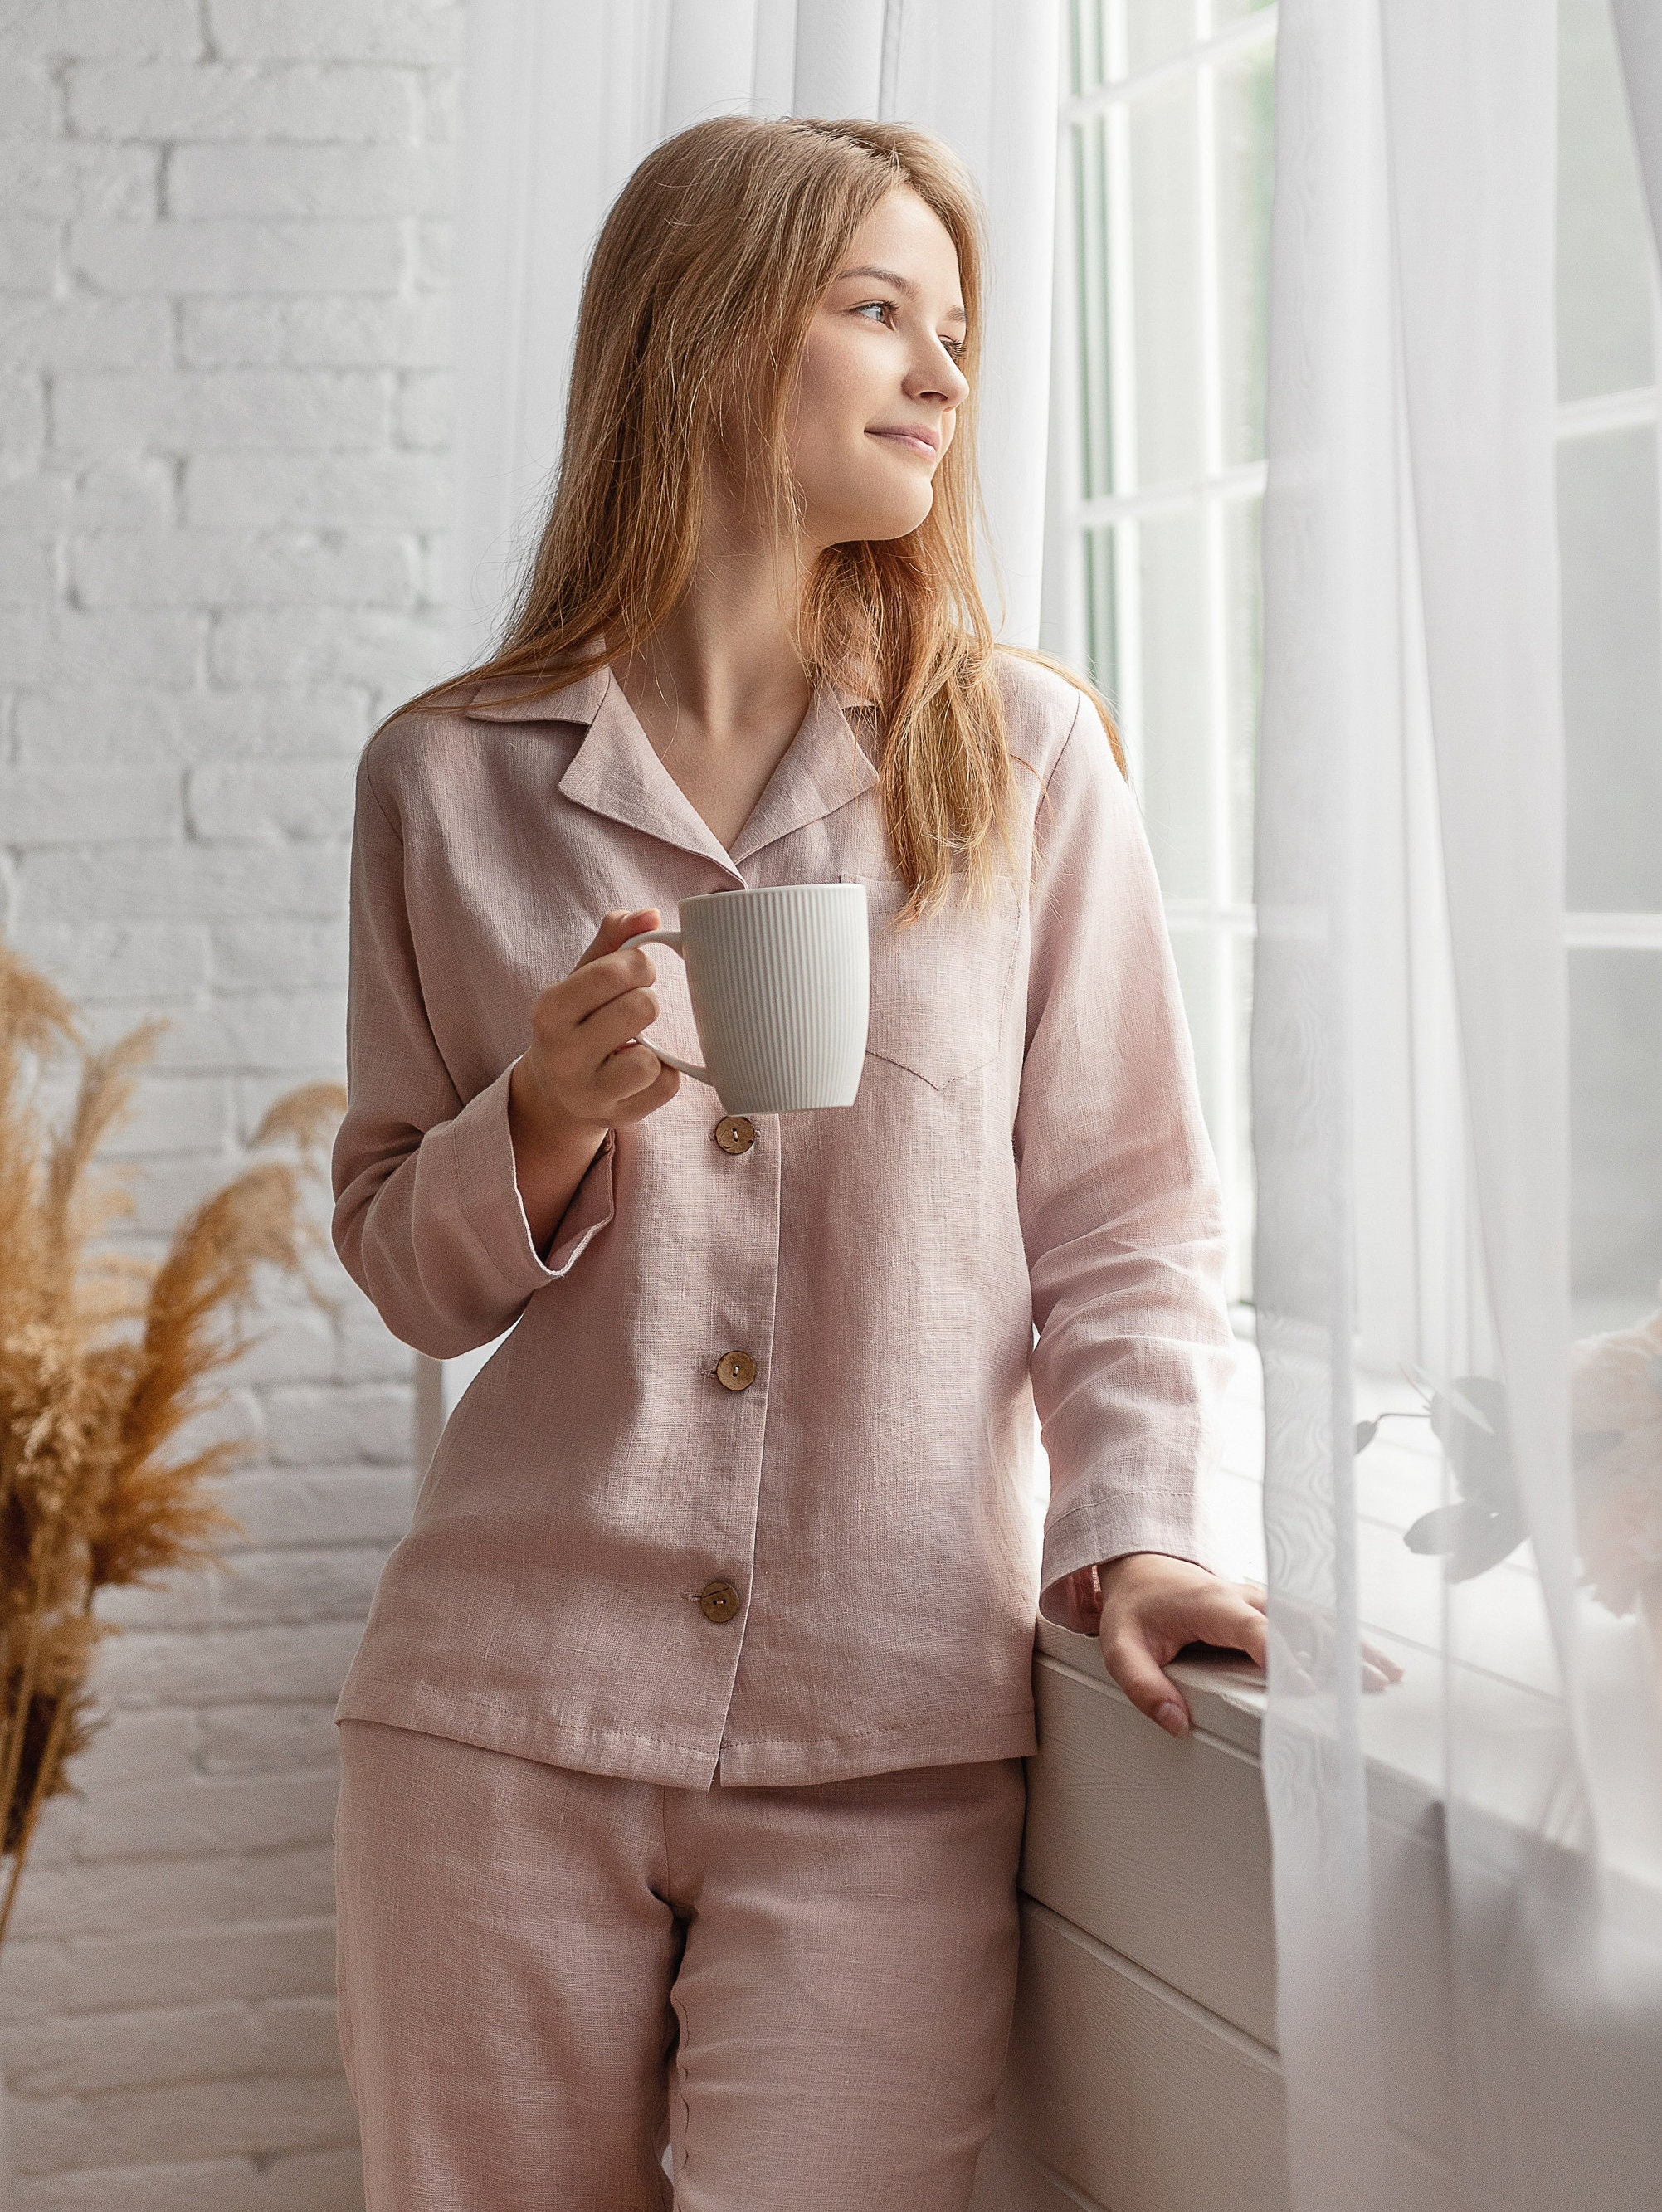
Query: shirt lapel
point(825, 767)
point(615, 772)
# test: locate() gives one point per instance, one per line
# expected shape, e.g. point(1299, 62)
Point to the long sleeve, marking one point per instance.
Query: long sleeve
point(428, 1220)
point(1119, 1196)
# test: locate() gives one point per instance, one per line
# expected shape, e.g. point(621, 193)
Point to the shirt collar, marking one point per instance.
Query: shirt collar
point(615, 772)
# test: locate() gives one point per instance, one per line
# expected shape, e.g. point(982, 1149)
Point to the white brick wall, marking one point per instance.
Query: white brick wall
point(223, 423)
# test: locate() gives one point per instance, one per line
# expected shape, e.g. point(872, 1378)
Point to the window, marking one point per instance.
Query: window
point(1152, 582)
point(1152, 577)
point(1608, 539)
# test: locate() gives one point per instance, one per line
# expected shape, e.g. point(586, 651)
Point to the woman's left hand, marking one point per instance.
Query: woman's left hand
point(1152, 1606)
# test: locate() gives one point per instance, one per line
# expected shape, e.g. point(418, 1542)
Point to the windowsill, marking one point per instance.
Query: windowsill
point(1485, 1723)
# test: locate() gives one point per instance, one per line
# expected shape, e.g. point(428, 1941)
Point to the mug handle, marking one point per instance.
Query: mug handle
point(672, 937)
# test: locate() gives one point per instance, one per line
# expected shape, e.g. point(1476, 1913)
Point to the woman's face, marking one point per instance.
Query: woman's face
point(877, 385)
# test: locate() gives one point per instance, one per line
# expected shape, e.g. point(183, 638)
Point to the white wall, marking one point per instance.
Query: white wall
point(223, 415)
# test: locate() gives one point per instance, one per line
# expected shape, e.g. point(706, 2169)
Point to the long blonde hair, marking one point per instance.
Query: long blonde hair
point(697, 302)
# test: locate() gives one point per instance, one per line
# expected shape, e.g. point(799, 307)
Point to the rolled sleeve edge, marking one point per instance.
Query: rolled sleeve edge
point(487, 1205)
point(1089, 1534)
point(593, 1203)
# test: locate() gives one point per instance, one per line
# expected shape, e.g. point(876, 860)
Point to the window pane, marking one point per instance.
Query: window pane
point(1088, 51)
point(1091, 230)
point(1245, 1214)
point(1157, 29)
point(1245, 111)
point(1176, 777)
point(1150, 580)
point(1101, 614)
point(1165, 261)
point(1616, 1161)
point(1604, 249)
point(1243, 616)
point(1612, 601)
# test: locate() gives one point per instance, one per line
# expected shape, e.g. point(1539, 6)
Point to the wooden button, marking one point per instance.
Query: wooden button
point(736, 1134)
point(718, 1600)
point(736, 1371)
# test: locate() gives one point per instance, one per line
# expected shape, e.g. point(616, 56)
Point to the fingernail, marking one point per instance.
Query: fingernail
point(1171, 1718)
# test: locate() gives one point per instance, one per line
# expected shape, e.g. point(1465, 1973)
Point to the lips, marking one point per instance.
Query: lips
point(916, 435)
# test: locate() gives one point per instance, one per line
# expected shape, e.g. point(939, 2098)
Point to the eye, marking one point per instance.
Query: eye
point(955, 348)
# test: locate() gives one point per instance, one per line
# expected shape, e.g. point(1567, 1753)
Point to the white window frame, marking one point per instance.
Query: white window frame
point(1227, 926)
point(1404, 1275)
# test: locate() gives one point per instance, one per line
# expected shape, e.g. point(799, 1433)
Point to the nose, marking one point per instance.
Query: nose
point(935, 375)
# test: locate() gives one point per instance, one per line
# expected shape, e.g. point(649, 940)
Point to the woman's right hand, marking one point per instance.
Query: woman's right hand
point(585, 1070)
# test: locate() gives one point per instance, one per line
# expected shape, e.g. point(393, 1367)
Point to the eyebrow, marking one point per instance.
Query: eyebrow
point(901, 285)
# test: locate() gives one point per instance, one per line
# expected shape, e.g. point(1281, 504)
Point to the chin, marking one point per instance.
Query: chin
point(884, 519)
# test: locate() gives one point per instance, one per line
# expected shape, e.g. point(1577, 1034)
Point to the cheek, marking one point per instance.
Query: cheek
point(831, 407)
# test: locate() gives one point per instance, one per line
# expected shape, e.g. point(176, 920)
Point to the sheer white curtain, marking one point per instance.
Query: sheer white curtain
point(1467, 1865)
point(564, 97)
point(1638, 27)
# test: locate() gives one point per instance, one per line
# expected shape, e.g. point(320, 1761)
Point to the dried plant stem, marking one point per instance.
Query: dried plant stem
point(18, 1718)
point(44, 1782)
point(99, 1488)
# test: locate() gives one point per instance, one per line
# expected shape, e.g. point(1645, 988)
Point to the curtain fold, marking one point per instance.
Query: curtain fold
point(1468, 1866)
point(1639, 32)
point(1328, 707)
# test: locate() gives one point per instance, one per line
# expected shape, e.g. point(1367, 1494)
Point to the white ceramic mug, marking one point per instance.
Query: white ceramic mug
point(781, 991)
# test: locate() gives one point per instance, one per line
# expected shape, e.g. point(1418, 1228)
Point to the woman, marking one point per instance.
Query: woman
point(683, 1779)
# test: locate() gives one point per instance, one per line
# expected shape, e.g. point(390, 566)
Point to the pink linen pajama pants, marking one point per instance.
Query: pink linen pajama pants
point(545, 1975)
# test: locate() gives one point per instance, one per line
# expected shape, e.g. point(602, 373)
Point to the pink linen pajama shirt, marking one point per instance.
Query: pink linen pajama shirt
point(621, 1567)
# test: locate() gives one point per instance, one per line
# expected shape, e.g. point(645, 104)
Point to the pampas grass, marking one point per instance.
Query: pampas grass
point(103, 1361)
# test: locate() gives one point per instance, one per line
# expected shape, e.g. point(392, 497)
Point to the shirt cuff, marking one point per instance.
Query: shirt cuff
point(592, 1207)
point(1090, 1536)
point(480, 1146)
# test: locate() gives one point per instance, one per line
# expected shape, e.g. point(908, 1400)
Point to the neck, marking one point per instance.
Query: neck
point(723, 665)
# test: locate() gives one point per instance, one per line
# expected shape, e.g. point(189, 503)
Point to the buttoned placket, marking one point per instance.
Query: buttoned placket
point(736, 1387)
point(616, 772)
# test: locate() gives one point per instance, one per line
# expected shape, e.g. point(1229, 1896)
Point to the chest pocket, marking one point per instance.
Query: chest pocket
point(940, 987)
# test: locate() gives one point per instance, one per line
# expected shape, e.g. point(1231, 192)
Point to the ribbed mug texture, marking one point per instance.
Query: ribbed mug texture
point(780, 985)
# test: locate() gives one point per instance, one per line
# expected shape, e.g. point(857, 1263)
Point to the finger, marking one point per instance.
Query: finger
point(661, 1084)
point(618, 1022)
point(1250, 1632)
point(593, 982)
point(1150, 1688)
point(1382, 1662)
point(617, 928)
point(1228, 1620)
point(626, 1078)
point(1292, 1671)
